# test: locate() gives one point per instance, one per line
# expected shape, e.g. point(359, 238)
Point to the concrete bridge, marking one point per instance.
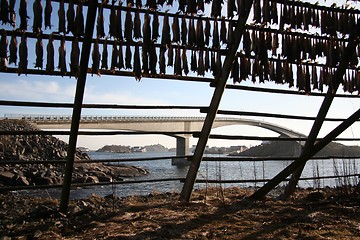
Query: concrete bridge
point(153, 124)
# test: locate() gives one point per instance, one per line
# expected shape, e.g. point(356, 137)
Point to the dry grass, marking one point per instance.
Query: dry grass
point(161, 216)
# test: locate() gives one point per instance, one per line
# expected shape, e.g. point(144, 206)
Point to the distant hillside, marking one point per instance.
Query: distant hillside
point(128, 149)
point(292, 149)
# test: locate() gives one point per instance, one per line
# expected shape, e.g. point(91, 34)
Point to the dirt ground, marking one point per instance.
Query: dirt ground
point(212, 214)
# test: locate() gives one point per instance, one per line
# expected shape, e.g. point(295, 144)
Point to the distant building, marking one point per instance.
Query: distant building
point(138, 149)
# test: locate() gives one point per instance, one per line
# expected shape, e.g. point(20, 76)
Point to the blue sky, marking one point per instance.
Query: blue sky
point(128, 91)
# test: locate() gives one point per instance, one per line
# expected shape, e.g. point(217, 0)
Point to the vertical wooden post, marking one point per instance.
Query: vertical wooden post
point(79, 95)
point(214, 105)
point(308, 149)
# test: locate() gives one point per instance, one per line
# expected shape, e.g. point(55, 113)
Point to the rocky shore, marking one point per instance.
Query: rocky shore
point(28, 148)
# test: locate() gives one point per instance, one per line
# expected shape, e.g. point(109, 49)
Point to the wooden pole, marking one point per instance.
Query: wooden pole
point(308, 150)
point(79, 95)
point(214, 105)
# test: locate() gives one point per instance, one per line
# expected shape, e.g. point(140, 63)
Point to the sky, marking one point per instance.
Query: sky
point(128, 91)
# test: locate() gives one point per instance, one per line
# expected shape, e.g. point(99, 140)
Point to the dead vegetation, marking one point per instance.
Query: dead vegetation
point(310, 214)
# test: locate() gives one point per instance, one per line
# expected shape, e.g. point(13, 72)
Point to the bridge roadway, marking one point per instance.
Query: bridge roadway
point(151, 123)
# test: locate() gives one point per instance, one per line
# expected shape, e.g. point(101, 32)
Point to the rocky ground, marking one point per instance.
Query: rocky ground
point(212, 214)
point(28, 148)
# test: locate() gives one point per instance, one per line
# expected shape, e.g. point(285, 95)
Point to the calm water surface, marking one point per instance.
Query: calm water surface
point(212, 170)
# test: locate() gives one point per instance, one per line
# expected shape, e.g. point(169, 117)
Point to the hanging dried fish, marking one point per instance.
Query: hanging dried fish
point(207, 60)
point(176, 29)
point(23, 53)
point(278, 71)
point(275, 44)
point(153, 59)
point(243, 68)
point(165, 37)
point(104, 59)
point(95, 68)
point(247, 43)
point(200, 5)
point(231, 8)
point(216, 8)
point(146, 32)
point(37, 9)
point(118, 23)
point(170, 56)
point(120, 61)
point(39, 53)
point(266, 11)
point(191, 33)
point(218, 66)
point(128, 56)
point(201, 67)
point(235, 71)
point(48, 11)
point(185, 62)
point(100, 32)
point(314, 77)
point(3, 50)
point(139, 5)
point(177, 64)
point(3, 44)
point(4, 11)
point(70, 15)
point(79, 20)
point(62, 57)
point(290, 76)
point(262, 51)
point(137, 63)
point(23, 14)
point(230, 35)
point(191, 8)
point(137, 25)
point(162, 65)
point(307, 80)
point(74, 57)
point(255, 70)
point(50, 66)
point(300, 78)
point(223, 31)
point(61, 15)
point(207, 32)
point(128, 26)
point(155, 27)
point(274, 12)
point(268, 41)
point(182, 5)
point(12, 13)
point(183, 31)
point(112, 20)
point(13, 49)
point(114, 57)
point(257, 11)
point(200, 34)
point(193, 64)
point(145, 61)
point(241, 6)
point(212, 62)
point(216, 41)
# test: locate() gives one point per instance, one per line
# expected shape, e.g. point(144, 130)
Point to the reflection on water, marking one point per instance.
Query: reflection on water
point(214, 170)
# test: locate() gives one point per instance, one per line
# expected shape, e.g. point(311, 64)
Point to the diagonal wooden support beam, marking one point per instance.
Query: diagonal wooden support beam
point(214, 105)
point(79, 96)
point(297, 166)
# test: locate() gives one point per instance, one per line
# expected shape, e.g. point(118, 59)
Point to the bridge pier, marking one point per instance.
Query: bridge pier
point(182, 149)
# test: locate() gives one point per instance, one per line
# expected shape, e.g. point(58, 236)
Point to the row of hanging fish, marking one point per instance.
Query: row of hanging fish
point(153, 60)
point(329, 21)
point(70, 20)
point(295, 47)
point(303, 76)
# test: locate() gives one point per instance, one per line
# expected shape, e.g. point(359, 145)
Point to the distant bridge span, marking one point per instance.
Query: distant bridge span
point(151, 123)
